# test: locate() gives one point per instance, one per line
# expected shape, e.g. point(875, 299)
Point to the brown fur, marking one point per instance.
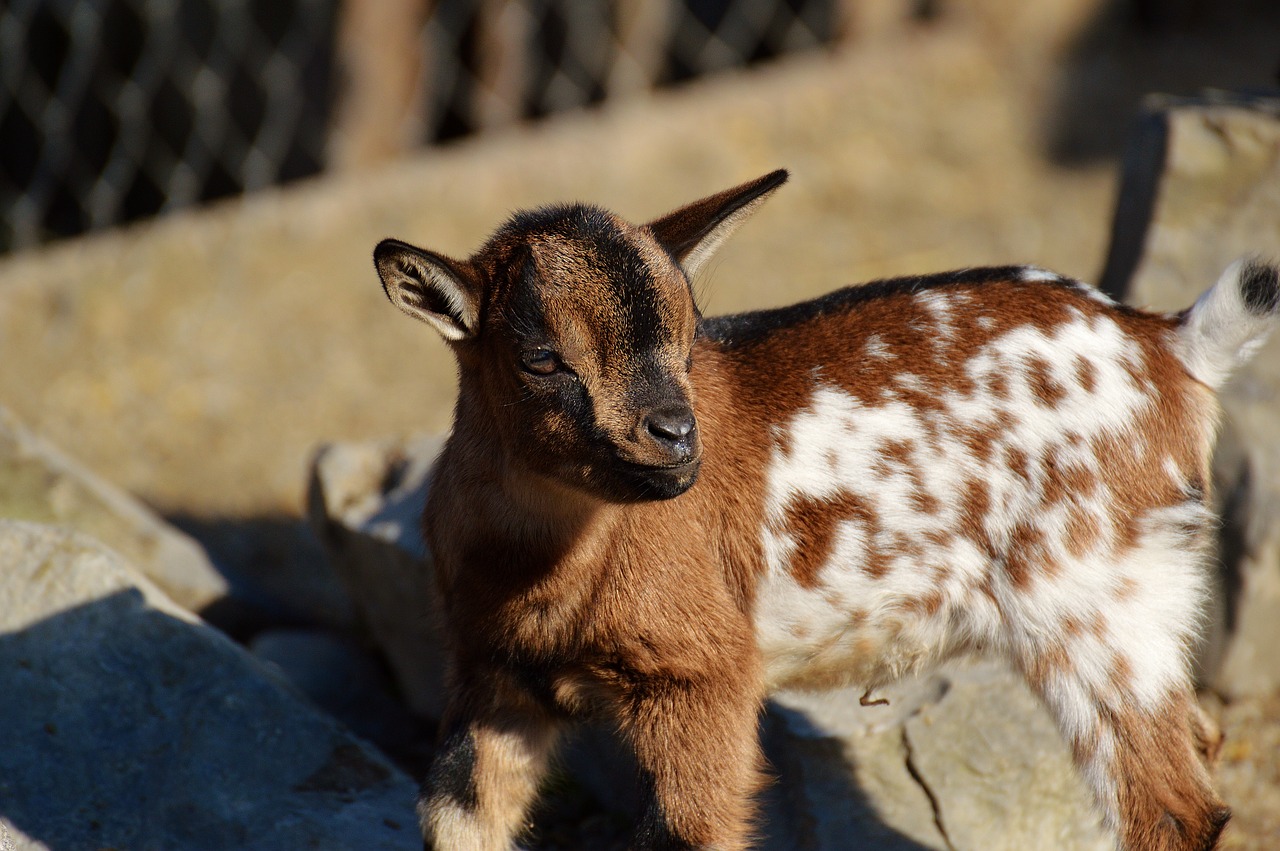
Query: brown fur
point(1165, 794)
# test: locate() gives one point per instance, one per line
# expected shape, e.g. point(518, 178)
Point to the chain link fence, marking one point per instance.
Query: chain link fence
point(112, 110)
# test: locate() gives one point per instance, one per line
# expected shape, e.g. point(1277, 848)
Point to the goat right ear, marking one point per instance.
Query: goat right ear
point(427, 286)
point(694, 232)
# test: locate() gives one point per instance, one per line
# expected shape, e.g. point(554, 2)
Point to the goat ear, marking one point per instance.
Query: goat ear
point(694, 232)
point(427, 286)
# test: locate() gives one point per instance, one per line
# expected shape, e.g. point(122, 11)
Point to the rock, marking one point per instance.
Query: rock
point(345, 679)
point(131, 724)
point(365, 503)
point(277, 570)
point(963, 760)
point(997, 770)
point(1201, 187)
point(966, 759)
point(40, 484)
point(843, 775)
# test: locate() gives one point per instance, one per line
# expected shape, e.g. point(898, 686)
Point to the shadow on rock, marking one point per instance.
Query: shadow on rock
point(817, 801)
point(813, 800)
point(277, 571)
point(129, 727)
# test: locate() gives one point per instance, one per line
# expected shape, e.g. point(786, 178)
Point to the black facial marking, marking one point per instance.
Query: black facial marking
point(637, 294)
point(1260, 288)
point(524, 311)
point(653, 484)
point(453, 771)
point(655, 384)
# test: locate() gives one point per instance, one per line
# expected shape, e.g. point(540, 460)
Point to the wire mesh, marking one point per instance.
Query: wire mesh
point(117, 109)
point(111, 110)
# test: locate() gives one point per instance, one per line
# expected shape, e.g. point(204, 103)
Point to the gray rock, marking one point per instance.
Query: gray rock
point(277, 571)
point(843, 776)
point(966, 759)
point(998, 772)
point(39, 483)
point(1202, 187)
point(963, 760)
point(130, 724)
point(365, 503)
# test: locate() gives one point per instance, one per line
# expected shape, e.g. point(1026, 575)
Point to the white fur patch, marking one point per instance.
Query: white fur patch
point(836, 448)
point(452, 826)
point(940, 305)
point(875, 347)
point(1035, 273)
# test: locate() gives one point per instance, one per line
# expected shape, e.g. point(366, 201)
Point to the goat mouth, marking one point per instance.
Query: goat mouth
point(660, 481)
point(668, 469)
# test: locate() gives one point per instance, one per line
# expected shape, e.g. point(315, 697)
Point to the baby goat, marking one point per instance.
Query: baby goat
point(656, 518)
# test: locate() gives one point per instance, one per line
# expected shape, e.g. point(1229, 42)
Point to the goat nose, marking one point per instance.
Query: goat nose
point(670, 425)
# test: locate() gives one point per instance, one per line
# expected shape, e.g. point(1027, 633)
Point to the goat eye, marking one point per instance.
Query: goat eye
point(540, 362)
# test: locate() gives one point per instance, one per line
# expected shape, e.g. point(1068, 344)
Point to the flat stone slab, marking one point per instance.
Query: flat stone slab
point(998, 772)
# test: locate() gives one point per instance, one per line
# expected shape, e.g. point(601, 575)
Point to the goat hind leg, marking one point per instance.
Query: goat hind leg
point(1143, 765)
point(1166, 801)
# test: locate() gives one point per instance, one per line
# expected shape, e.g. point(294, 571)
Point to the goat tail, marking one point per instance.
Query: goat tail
point(1227, 325)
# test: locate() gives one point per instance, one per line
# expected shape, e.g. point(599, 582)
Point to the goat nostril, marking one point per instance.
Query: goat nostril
point(670, 426)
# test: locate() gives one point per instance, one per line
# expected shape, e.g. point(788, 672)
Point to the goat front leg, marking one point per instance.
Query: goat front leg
point(494, 751)
point(698, 751)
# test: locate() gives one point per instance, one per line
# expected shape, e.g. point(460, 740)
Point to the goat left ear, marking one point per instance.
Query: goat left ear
point(694, 232)
point(427, 286)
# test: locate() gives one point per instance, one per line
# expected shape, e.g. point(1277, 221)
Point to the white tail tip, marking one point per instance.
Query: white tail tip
point(1228, 324)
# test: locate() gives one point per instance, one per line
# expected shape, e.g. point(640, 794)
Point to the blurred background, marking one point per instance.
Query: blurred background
point(922, 134)
point(190, 191)
point(115, 110)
